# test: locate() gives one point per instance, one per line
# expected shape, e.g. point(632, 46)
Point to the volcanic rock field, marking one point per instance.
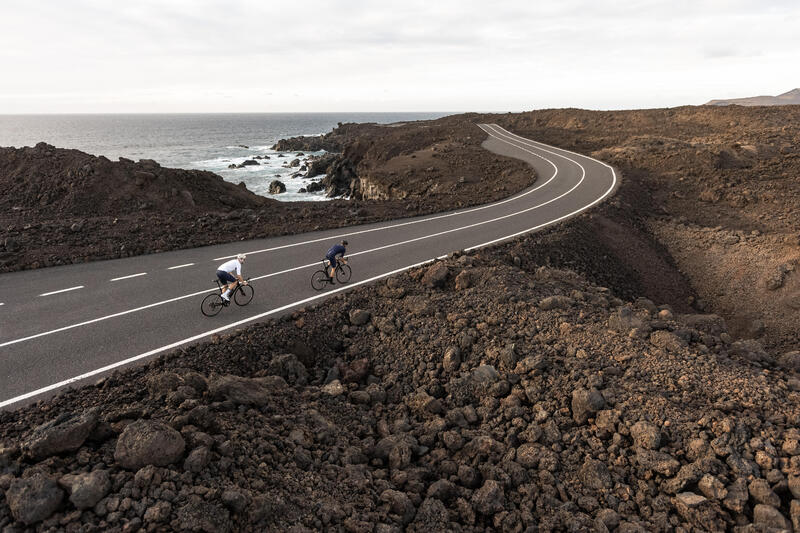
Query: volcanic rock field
point(632, 369)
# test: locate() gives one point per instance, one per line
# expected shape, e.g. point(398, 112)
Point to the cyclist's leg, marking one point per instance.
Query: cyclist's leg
point(222, 281)
point(230, 284)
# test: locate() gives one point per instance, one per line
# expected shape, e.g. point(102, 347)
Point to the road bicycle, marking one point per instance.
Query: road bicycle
point(213, 303)
point(320, 279)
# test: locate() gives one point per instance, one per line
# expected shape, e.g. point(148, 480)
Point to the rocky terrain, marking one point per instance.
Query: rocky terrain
point(711, 193)
point(717, 187)
point(44, 178)
point(633, 369)
point(63, 206)
point(481, 392)
point(431, 162)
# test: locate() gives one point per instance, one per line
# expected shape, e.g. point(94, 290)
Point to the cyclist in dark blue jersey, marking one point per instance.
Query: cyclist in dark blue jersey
point(336, 251)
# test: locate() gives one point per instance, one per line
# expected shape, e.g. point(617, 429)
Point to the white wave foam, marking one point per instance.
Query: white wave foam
point(257, 178)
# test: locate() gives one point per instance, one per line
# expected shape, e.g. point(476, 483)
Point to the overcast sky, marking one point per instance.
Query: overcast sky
point(70, 56)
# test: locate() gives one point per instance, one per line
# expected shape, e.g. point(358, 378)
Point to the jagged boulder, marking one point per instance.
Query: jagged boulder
point(66, 433)
point(277, 187)
point(148, 442)
point(239, 390)
point(85, 490)
point(33, 499)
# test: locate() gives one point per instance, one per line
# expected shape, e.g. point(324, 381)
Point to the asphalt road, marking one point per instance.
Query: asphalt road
point(67, 325)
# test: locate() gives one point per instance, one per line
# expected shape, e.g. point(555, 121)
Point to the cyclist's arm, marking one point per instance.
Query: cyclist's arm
point(239, 275)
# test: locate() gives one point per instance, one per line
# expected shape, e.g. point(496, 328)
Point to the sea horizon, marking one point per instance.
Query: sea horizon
point(195, 141)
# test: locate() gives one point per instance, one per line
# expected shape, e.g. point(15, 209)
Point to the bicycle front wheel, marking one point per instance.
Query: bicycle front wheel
point(212, 304)
point(243, 295)
point(343, 273)
point(319, 279)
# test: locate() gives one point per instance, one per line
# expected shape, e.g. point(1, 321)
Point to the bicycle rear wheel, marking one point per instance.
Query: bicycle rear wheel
point(243, 295)
point(343, 273)
point(319, 279)
point(212, 304)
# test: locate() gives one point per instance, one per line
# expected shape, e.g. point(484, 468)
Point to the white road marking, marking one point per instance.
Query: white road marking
point(348, 287)
point(200, 336)
point(1, 303)
point(7, 343)
point(180, 266)
point(100, 319)
point(131, 276)
point(62, 290)
point(428, 219)
point(155, 304)
point(605, 194)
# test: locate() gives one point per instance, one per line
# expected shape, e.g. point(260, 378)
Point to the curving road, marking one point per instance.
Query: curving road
point(64, 325)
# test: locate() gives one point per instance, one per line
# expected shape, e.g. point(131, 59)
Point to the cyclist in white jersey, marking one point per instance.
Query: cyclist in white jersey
point(225, 274)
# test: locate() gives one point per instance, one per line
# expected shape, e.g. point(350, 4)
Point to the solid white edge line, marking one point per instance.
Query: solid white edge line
point(426, 219)
point(201, 335)
point(301, 302)
point(121, 313)
point(600, 199)
point(100, 319)
point(180, 266)
point(62, 290)
point(131, 276)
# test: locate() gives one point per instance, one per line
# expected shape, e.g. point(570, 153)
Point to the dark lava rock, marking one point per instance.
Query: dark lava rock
point(359, 317)
point(436, 275)
point(490, 498)
point(766, 516)
point(315, 186)
point(646, 435)
point(239, 390)
point(595, 474)
point(277, 187)
point(66, 433)
point(33, 499)
point(198, 459)
point(585, 403)
point(85, 490)
point(289, 367)
point(399, 504)
point(555, 302)
point(199, 515)
point(148, 442)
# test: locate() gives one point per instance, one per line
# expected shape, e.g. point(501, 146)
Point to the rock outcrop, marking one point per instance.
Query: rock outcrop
point(277, 187)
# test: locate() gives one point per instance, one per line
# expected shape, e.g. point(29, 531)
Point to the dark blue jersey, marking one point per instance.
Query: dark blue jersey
point(336, 249)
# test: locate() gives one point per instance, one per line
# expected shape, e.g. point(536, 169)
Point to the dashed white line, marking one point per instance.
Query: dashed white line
point(200, 336)
point(131, 276)
point(180, 266)
point(421, 220)
point(504, 133)
point(288, 306)
point(600, 199)
point(62, 290)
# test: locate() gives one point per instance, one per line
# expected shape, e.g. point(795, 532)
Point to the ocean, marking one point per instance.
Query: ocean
point(194, 141)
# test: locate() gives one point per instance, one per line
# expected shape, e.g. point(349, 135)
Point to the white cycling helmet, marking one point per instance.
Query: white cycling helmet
point(241, 257)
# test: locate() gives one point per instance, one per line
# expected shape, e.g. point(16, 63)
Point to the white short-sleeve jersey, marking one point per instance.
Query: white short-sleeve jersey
point(230, 266)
